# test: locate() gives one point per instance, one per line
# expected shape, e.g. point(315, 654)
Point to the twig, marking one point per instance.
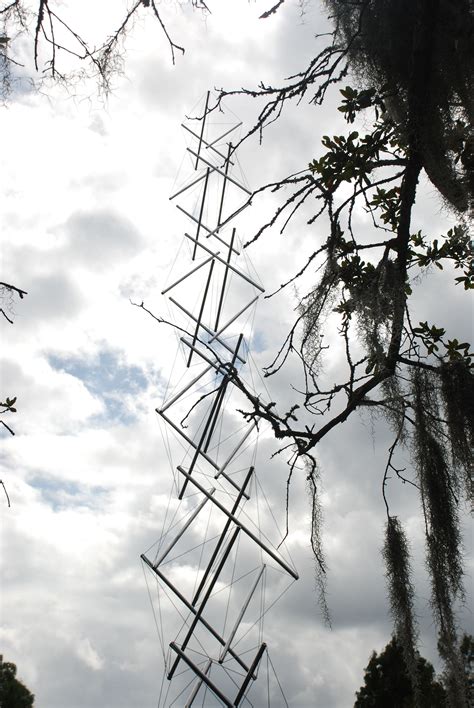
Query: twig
point(6, 493)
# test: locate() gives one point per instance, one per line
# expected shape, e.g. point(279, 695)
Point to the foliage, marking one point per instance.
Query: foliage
point(383, 39)
point(388, 683)
point(414, 87)
point(8, 292)
point(60, 51)
point(13, 693)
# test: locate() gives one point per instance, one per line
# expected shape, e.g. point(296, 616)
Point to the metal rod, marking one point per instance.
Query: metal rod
point(227, 324)
point(197, 686)
point(224, 281)
point(221, 260)
point(201, 309)
point(206, 329)
point(192, 609)
point(224, 135)
point(187, 387)
point(214, 412)
point(211, 233)
point(234, 451)
point(217, 366)
point(203, 200)
point(221, 205)
point(203, 142)
point(202, 676)
point(180, 280)
point(188, 440)
point(234, 484)
point(220, 370)
point(222, 391)
point(222, 536)
point(181, 532)
point(219, 399)
point(217, 169)
point(250, 674)
point(241, 615)
point(236, 521)
point(206, 597)
point(191, 184)
point(229, 218)
point(202, 129)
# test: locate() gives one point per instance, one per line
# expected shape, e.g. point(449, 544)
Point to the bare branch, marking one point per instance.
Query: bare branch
point(6, 493)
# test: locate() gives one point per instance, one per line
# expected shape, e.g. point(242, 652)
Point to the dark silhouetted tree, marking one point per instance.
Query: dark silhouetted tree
point(411, 66)
point(388, 684)
point(13, 693)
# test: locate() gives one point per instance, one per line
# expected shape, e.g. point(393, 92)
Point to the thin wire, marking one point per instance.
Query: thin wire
point(265, 612)
point(277, 680)
point(231, 585)
point(160, 637)
point(202, 548)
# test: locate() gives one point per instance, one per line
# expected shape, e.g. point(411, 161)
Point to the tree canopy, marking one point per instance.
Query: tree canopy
point(411, 79)
point(13, 693)
point(388, 684)
point(388, 681)
point(62, 50)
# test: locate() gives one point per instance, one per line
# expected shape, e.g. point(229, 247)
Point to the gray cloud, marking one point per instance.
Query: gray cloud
point(52, 296)
point(99, 238)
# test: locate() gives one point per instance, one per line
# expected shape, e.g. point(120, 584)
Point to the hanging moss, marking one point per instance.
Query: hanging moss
point(401, 593)
point(395, 409)
point(442, 603)
point(312, 477)
point(457, 390)
point(313, 309)
point(387, 41)
point(438, 484)
point(437, 480)
point(374, 303)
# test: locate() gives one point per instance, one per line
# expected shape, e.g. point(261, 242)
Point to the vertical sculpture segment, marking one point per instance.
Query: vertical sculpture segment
point(211, 300)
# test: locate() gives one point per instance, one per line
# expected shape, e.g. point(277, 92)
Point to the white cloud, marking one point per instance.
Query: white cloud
point(88, 655)
point(88, 225)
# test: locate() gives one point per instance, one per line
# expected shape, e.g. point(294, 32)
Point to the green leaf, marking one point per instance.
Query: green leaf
point(370, 366)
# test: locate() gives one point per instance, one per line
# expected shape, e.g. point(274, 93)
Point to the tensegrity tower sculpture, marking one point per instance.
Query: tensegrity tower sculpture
point(216, 565)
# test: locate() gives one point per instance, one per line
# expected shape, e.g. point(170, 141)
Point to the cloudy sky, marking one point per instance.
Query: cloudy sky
point(87, 226)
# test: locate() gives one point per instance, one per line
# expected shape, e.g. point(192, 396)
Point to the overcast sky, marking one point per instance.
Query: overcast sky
point(86, 226)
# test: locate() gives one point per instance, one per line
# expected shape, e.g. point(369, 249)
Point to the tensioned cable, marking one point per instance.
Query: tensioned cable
point(273, 517)
point(154, 614)
point(265, 612)
point(258, 515)
point(277, 680)
point(172, 525)
point(186, 688)
point(202, 549)
point(235, 553)
point(268, 681)
point(186, 621)
point(190, 550)
point(262, 604)
point(236, 580)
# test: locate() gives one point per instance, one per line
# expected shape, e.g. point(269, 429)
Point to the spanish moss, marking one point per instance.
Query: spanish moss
point(458, 398)
point(401, 593)
point(386, 41)
point(443, 539)
point(313, 482)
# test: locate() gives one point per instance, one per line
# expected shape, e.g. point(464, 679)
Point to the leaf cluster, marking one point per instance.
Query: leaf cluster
point(8, 404)
point(456, 247)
